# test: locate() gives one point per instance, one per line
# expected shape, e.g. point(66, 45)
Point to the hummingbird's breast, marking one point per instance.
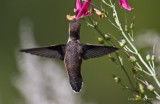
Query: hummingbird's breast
point(73, 55)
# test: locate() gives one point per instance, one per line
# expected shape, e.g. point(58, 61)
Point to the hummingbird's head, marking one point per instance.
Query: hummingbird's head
point(74, 30)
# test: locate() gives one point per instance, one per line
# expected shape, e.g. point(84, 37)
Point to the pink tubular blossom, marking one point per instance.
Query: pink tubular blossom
point(124, 4)
point(82, 10)
point(78, 5)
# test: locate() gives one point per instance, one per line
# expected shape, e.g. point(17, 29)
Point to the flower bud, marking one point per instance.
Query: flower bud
point(122, 43)
point(95, 23)
point(153, 58)
point(112, 58)
point(105, 14)
point(91, 10)
point(141, 88)
point(150, 87)
point(100, 40)
point(114, 15)
point(107, 37)
point(134, 71)
point(104, 11)
point(126, 28)
point(132, 25)
point(148, 57)
point(137, 97)
point(116, 79)
point(132, 59)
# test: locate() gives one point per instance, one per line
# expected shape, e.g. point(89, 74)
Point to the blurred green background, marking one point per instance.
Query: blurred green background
point(51, 27)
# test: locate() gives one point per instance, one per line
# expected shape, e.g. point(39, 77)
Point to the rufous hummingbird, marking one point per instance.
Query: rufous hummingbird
point(72, 53)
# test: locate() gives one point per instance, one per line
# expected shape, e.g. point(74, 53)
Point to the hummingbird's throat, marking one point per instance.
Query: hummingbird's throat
point(74, 37)
point(74, 31)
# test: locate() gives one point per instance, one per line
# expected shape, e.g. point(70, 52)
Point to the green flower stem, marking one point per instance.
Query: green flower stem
point(130, 37)
point(151, 67)
point(113, 24)
point(158, 96)
point(132, 34)
point(129, 50)
point(97, 29)
point(141, 59)
point(122, 66)
point(106, 3)
point(130, 43)
point(126, 87)
point(118, 57)
point(140, 69)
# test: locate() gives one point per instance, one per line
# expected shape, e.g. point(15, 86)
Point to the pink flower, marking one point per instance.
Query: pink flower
point(78, 5)
point(82, 10)
point(124, 4)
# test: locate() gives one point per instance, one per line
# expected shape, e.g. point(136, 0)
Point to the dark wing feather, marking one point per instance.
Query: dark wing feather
point(93, 51)
point(56, 51)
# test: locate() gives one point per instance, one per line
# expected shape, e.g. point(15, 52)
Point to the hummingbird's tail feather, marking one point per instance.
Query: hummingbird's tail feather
point(76, 83)
point(75, 77)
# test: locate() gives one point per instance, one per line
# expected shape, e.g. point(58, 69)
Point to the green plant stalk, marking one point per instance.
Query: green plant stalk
point(156, 94)
point(122, 66)
point(151, 67)
point(106, 3)
point(118, 57)
point(130, 43)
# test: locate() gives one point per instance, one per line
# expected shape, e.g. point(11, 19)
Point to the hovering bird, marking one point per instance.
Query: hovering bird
point(72, 53)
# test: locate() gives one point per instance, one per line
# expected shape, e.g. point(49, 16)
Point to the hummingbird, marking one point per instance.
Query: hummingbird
point(72, 54)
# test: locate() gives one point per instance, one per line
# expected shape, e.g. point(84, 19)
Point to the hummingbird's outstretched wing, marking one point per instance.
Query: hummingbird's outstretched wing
point(55, 51)
point(93, 51)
